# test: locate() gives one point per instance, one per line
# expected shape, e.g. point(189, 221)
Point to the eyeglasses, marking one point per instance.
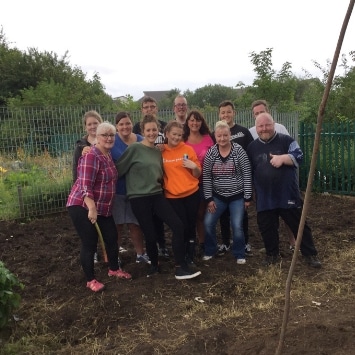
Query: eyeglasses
point(107, 135)
point(152, 107)
point(180, 105)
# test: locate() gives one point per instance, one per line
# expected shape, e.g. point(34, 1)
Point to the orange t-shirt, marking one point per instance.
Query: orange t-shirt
point(179, 181)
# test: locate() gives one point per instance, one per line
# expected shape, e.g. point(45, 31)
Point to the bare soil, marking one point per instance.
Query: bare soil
point(229, 309)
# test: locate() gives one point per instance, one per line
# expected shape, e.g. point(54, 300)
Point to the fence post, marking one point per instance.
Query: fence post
point(20, 200)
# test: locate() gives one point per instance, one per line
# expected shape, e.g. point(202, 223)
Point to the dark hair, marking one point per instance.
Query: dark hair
point(204, 129)
point(148, 99)
point(148, 119)
point(260, 102)
point(120, 115)
point(226, 103)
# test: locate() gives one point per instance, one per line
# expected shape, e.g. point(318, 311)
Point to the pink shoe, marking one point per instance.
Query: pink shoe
point(120, 274)
point(95, 285)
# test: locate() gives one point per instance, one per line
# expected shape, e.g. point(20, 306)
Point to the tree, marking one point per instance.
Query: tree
point(210, 95)
point(277, 88)
point(44, 78)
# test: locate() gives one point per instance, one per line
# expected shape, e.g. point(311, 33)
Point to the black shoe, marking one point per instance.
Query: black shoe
point(271, 260)
point(222, 249)
point(185, 273)
point(153, 270)
point(164, 252)
point(312, 261)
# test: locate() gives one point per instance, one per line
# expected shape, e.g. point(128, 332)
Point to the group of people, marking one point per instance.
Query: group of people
point(182, 175)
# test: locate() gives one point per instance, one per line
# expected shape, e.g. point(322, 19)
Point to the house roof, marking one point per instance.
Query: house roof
point(157, 95)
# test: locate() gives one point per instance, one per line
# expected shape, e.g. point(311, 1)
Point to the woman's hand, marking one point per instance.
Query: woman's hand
point(211, 207)
point(92, 215)
point(85, 150)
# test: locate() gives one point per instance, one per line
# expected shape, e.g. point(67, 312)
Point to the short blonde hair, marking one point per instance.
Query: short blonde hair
point(221, 125)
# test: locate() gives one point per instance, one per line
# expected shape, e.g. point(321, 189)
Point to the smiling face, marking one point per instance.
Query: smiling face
point(180, 109)
point(222, 135)
point(150, 132)
point(174, 136)
point(124, 127)
point(265, 126)
point(91, 124)
point(194, 124)
point(226, 113)
point(105, 137)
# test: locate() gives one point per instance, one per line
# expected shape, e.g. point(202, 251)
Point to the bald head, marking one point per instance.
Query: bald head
point(265, 126)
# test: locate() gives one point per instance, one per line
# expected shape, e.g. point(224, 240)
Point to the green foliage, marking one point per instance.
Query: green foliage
point(50, 196)
point(33, 78)
point(126, 104)
point(210, 95)
point(167, 102)
point(9, 299)
point(24, 178)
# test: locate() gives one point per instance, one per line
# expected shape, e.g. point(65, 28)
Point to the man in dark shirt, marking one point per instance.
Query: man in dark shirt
point(275, 158)
point(149, 106)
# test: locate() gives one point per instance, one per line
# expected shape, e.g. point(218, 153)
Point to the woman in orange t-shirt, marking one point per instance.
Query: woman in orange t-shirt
point(181, 182)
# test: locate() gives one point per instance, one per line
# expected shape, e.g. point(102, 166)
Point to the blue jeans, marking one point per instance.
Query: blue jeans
point(236, 210)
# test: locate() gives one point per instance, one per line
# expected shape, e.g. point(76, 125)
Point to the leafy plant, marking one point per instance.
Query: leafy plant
point(9, 299)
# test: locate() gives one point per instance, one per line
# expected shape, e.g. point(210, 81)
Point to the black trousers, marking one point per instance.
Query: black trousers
point(144, 208)
point(268, 223)
point(89, 237)
point(186, 208)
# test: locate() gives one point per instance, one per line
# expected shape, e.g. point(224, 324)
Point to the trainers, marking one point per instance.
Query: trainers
point(222, 249)
point(292, 248)
point(185, 273)
point(120, 274)
point(241, 261)
point(271, 259)
point(142, 259)
point(248, 251)
point(312, 261)
point(96, 260)
point(153, 270)
point(95, 285)
point(164, 252)
point(207, 257)
point(122, 250)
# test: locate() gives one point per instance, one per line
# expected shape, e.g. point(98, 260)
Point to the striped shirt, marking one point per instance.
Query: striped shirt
point(228, 178)
point(97, 176)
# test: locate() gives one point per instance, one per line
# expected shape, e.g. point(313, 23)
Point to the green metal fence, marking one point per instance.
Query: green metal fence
point(36, 147)
point(335, 169)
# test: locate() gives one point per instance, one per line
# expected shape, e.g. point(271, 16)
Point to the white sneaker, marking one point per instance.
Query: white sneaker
point(207, 257)
point(122, 250)
point(241, 261)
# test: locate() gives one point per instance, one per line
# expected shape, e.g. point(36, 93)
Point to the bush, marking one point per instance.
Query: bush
point(9, 300)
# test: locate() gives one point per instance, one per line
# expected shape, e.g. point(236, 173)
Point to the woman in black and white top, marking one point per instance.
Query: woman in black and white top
point(227, 183)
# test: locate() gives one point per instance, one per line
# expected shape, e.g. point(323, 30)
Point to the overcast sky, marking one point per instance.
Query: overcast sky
point(138, 45)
